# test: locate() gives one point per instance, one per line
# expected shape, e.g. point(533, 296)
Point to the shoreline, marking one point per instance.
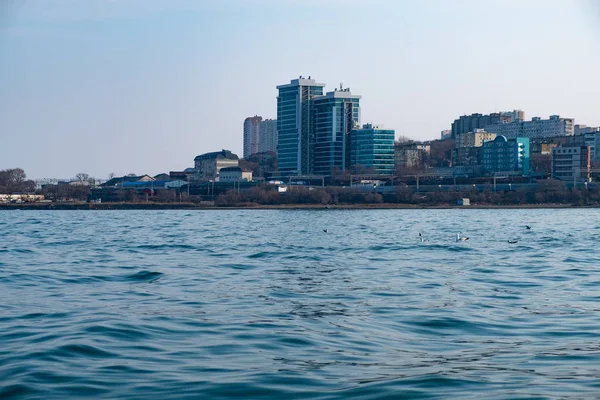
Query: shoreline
point(194, 207)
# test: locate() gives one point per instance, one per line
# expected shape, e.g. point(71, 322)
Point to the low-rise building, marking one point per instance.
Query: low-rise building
point(466, 156)
point(155, 185)
point(412, 155)
point(235, 174)
point(208, 165)
point(581, 129)
point(116, 182)
point(570, 163)
point(504, 155)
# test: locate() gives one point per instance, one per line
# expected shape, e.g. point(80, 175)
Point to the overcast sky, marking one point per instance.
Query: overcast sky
point(144, 86)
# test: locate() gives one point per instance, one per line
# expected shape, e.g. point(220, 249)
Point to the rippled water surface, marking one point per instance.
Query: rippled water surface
point(265, 304)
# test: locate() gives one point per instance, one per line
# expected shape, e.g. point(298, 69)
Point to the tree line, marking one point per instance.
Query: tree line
point(547, 192)
point(14, 181)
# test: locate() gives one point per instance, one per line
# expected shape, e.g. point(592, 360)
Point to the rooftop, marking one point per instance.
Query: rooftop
point(301, 81)
point(227, 154)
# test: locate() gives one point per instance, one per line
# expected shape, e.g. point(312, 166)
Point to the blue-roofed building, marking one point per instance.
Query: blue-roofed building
point(164, 184)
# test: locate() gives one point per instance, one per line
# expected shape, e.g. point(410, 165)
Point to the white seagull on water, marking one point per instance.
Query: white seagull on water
point(460, 238)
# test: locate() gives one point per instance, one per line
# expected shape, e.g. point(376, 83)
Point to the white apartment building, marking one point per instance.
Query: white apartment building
point(536, 128)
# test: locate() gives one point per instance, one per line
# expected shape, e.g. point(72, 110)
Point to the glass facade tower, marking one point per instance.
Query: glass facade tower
point(336, 114)
point(295, 126)
point(373, 148)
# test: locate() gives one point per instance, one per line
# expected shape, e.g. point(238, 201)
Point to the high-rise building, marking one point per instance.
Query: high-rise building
point(373, 148)
point(536, 128)
point(336, 114)
point(295, 127)
point(267, 136)
point(503, 155)
point(251, 135)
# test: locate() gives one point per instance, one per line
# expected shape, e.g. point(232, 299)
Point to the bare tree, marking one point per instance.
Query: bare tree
point(82, 177)
point(403, 139)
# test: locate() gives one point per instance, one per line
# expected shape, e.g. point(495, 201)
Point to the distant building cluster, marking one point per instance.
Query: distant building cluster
point(504, 142)
point(321, 133)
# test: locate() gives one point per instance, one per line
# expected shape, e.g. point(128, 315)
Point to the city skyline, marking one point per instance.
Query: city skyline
point(132, 86)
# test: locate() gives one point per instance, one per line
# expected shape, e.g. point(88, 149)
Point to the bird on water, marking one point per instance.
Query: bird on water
point(325, 230)
point(461, 238)
point(527, 227)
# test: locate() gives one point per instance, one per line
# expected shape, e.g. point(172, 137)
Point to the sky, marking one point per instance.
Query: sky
point(144, 86)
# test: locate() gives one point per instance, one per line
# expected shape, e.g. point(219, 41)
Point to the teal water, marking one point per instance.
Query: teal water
point(264, 304)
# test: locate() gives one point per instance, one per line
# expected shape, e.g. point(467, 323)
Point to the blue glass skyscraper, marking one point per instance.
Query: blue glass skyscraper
point(336, 114)
point(295, 126)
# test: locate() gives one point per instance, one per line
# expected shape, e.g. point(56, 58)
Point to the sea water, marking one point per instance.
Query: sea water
point(265, 304)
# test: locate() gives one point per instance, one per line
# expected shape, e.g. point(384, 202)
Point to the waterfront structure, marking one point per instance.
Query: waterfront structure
point(373, 148)
point(155, 185)
point(474, 139)
point(570, 163)
point(295, 128)
point(504, 155)
point(466, 156)
point(234, 174)
point(468, 123)
point(537, 128)
point(267, 136)
point(251, 135)
point(336, 114)
point(208, 165)
point(411, 155)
